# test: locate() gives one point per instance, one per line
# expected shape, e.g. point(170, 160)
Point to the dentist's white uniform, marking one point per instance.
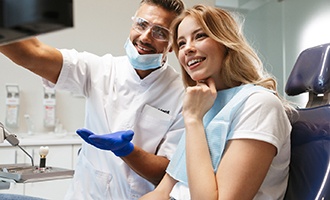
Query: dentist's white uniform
point(117, 99)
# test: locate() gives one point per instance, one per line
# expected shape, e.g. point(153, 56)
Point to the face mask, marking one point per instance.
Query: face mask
point(142, 62)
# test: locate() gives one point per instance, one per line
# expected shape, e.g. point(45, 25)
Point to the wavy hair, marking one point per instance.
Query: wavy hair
point(241, 64)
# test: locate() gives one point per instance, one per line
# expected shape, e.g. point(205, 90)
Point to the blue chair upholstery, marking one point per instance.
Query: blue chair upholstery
point(311, 73)
point(18, 197)
point(309, 175)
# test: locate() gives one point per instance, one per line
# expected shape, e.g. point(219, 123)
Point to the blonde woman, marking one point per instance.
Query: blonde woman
point(237, 128)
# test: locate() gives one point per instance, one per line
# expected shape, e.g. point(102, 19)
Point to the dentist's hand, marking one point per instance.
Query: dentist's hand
point(84, 134)
point(119, 142)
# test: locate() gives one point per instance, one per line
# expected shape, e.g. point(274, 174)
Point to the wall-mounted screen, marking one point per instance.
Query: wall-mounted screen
point(25, 18)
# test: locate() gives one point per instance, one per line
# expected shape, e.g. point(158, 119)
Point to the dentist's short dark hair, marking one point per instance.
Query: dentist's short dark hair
point(175, 6)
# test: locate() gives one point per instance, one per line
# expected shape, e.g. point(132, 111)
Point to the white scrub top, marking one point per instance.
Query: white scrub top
point(117, 99)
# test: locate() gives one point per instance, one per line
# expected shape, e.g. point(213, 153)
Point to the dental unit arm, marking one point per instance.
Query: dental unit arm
point(12, 139)
point(5, 135)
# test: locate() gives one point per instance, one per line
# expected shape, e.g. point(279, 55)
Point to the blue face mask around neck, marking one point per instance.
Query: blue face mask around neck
point(142, 62)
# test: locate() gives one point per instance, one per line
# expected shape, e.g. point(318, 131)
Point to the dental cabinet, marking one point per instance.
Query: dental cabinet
point(63, 152)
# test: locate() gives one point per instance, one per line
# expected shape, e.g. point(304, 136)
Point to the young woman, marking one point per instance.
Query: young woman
point(237, 139)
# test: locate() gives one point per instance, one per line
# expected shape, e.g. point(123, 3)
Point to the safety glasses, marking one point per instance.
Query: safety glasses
point(158, 32)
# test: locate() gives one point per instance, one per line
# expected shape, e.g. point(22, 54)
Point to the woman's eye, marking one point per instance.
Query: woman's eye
point(201, 35)
point(180, 44)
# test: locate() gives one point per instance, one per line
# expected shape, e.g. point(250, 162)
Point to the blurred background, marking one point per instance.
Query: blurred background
point(278, 29)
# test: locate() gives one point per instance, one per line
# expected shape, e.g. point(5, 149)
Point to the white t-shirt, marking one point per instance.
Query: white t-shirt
point(117, 99)
point(261, 117)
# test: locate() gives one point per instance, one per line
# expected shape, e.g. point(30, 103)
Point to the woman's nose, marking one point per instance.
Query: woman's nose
point(189, 48)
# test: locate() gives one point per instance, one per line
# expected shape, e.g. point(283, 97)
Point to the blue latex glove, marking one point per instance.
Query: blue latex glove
point(84, 134)
point(119, 142)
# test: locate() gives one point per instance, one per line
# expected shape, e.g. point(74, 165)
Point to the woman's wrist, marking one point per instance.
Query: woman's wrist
point(193, 121)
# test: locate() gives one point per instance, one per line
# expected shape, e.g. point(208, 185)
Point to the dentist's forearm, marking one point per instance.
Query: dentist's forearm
point(147, 165)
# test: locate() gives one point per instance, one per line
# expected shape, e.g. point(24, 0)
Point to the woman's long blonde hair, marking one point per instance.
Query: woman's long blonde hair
point(241, 63)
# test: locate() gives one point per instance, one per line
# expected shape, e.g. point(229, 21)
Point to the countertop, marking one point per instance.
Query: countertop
point(46, 139)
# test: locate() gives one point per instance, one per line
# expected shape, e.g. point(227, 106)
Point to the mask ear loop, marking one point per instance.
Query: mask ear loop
point(167, 50)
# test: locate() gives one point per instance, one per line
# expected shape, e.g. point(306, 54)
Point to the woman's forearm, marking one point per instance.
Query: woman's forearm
point(201, 178)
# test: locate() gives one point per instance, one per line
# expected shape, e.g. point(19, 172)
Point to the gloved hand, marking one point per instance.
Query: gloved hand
point(119, 142)
point(84, 134)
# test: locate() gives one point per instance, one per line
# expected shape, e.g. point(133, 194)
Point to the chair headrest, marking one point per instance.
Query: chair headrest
point(311, 72)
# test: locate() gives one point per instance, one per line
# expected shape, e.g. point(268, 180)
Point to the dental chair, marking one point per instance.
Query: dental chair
point(309, 175)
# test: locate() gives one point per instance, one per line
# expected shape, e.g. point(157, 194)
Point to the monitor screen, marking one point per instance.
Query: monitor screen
point(25, 18)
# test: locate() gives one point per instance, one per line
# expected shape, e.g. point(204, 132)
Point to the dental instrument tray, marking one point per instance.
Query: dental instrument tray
point(25, 173)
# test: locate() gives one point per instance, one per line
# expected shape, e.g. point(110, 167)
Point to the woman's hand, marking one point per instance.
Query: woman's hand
point(199, 99)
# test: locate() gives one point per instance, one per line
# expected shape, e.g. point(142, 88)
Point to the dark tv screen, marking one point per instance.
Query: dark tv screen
point(20, 19)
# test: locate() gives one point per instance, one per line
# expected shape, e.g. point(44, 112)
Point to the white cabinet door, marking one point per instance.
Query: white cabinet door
point(8, 155)
point(11, 155)
point(50, 190)
point(76, 149)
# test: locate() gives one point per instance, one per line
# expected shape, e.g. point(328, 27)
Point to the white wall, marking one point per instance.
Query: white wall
point(282, 30)
point(100, 27)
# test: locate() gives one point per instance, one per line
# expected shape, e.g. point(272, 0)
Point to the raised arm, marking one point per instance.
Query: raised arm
point(35, 56)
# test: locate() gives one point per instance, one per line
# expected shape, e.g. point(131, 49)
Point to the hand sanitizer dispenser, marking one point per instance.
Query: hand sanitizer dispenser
point(49, 107)
point(12, 105)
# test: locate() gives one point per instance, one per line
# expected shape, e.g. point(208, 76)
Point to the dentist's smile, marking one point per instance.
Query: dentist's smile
point(143, 49)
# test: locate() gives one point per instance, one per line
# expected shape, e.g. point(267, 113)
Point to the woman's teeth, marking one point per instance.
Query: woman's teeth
point(192, 62)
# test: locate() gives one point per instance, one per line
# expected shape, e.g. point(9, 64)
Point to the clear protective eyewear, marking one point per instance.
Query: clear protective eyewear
point(158, 32)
